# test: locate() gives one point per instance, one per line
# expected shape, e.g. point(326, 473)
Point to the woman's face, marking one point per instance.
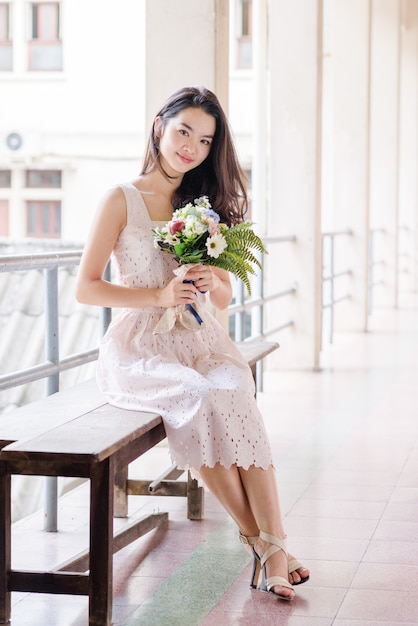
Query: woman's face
point(185, 140)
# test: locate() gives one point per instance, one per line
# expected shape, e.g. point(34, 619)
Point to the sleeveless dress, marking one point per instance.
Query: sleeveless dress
point(197, 380)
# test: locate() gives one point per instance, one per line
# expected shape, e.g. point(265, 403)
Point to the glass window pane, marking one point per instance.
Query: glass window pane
point(45, 218)
point(45, 21)
point(49, 22)
point(53, 178)
point(6, 57)
point(34, 21)
point(33, 178)
point(45, 57)
point(245, 24)
point(4, 22)
point(43, 178)
point(31, 218)
point(57, 208)
point(5, 178)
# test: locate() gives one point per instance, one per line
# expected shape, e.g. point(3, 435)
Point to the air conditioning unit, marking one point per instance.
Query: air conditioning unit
point(17, 145)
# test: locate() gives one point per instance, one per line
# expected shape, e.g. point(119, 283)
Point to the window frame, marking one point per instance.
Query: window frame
point(41, 39)
point(243, 34)
point(46, 179)
point(6, 39)
point(43, 219)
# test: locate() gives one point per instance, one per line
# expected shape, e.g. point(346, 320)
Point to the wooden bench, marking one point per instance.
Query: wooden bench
point(77, 433)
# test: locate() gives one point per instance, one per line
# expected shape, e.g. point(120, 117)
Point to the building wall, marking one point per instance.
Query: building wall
point(88, 119)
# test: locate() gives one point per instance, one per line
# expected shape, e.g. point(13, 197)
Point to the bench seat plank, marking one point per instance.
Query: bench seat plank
point(90, 437)
point(255, 351)
point(35, 418)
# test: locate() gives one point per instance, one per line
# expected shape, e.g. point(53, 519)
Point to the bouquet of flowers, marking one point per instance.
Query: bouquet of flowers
point(196, 235)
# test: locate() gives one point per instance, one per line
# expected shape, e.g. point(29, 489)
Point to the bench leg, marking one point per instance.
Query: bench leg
point(194, 498)
point(101, 543)
point(5, 543)
point(121, 496)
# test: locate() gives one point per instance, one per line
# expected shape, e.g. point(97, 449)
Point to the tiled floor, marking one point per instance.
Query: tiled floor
point(346, 449)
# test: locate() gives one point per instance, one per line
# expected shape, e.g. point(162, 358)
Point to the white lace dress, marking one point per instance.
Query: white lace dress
point(196, 380)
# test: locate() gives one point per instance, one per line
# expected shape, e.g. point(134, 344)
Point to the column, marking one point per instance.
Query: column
point(186, 44)
point(346, 156)
point(384, 147)
point(295, 36)
point(408, 148)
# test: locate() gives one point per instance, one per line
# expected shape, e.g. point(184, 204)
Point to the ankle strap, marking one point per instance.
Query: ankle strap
point(248, 541)
point(276, 541)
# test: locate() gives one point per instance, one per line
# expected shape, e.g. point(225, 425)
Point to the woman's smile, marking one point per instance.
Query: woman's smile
point(184, 159)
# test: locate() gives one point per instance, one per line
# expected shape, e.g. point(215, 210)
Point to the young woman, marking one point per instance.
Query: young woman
point(196, 380)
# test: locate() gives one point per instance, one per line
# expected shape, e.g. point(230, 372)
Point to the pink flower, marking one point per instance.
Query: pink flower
point(213, 228)
point(176, 226)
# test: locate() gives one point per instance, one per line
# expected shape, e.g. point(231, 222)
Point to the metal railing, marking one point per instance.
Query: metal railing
point(328, 241)
point(51, 368)
point(246, 315)
point(254, 307)
point(372, 264)
point(53, 365)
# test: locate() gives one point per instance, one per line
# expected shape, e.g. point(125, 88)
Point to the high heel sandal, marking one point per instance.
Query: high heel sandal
point(249, 543)
point(267, 584)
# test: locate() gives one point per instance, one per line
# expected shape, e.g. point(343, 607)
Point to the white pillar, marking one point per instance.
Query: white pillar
point(259, 162)
point(259, 143)
point(346, 153)
point(384, 146)
point(408, 148)
point(295, 36)
point(186, 44)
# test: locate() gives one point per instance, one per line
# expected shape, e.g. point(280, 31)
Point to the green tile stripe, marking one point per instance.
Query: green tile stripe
point(187, 596)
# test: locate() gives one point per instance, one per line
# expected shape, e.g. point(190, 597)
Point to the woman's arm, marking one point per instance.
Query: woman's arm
point(108, 223)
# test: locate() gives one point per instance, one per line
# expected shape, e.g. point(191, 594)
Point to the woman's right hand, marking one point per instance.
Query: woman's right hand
point(176, 292)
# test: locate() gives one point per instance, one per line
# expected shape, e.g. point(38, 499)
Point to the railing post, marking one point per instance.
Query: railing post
point(331, 289)
point(52, 355)
point(257, 320)
point(370, 274)
point(332, 301)
point(240, 316)
point(105, 315)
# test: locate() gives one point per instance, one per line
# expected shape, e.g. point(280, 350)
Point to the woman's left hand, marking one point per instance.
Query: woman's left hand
point(214, 280)
point(203, 277)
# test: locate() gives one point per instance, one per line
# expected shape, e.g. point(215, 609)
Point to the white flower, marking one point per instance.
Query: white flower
point(216, 245)
point(194, 226)
point(172, 240)
point(203, 202)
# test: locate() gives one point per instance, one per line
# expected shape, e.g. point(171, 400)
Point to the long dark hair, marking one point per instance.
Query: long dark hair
point(220, 176)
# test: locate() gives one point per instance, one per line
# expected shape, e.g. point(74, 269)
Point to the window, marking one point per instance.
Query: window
point(5, 178)
point(45, 46)
point(244, 34)
point(6, 50)
point(43, 178)
point(43, 218)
